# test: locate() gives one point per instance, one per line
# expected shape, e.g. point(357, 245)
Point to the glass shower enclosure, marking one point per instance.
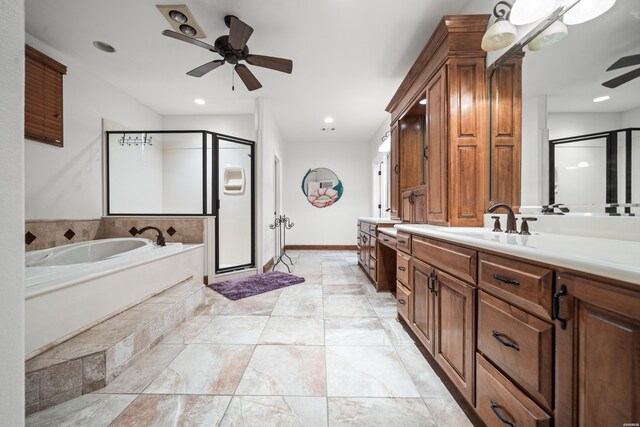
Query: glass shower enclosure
point(187, 173)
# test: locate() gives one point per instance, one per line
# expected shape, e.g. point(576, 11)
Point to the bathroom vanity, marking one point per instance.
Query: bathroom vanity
point(376, 251)
point(536, 330)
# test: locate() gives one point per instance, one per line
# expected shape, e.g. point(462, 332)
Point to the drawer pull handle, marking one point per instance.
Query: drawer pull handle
point(505, 280)
point(364, 239)
point(494, 408)
point(401, 301)
point(498, 336)
point(555, 308)
point(402, 242)
point(402, 269)
point(385, 240)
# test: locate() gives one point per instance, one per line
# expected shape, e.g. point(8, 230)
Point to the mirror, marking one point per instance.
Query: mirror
point(322, 187)
point(575, 151)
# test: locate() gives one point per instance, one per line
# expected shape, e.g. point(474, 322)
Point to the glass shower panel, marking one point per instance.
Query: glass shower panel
point(580, 174)
point(235, 214)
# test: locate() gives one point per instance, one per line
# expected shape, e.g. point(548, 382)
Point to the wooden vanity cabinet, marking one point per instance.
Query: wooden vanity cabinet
point(376, 259)
point(597, 353)
point(444, 315)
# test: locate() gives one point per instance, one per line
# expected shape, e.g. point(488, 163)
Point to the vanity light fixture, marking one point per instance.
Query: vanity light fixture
point(328, 120)
point(554, 33)
point(385, 147)
point(587, 10)
point(103, 46)
point(199, 101)
point(527, 11)
point(423, 101)
point(601, 98)
point(501, 33)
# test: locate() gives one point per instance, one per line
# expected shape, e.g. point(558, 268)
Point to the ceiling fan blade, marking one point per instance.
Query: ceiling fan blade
point(247, 77)
point(278, 64)
point(239, 33)
point(188, 39)
point(614, 83)
point(205, 68)
point(625, 61)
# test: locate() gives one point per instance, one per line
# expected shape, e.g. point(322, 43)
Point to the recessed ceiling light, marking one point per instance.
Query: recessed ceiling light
point(601, 98)
point(105, 47)
point(178, 16)
point(423, 101)
point(188, 30)
point(328, 120)
point(199, 101)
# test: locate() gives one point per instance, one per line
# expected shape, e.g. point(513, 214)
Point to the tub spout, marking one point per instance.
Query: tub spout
point(159, 240)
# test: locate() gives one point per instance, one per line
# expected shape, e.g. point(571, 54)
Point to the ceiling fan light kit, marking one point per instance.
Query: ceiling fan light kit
point(181, 19)
point(233, 49)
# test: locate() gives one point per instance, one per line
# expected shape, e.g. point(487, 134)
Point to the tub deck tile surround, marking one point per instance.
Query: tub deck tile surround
point(314, 370)
point(94, 358)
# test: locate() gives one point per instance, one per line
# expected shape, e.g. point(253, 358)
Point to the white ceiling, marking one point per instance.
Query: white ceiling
point(572, 71)
point(349, 55)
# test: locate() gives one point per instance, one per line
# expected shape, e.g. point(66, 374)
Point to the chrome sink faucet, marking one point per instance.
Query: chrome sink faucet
point(159, 240)
point(511, 218)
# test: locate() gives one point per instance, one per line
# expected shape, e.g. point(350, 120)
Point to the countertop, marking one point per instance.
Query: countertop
point(379, 220)
point(615, 259)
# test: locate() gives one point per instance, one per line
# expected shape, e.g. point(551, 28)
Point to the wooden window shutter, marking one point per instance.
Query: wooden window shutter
point(43, 116)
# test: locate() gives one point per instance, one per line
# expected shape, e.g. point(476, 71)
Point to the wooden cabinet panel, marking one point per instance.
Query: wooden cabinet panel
point(373, 264)
point(597, 354)
point(454, 259)
point(410, 151)
point(520, 344)
point(420, 206)
point(524, 285)
point(455, 332)
point(402, 262)
point(385, 239)
point(423, 321)
point(437, 149)
point(373, 246)
point(405, 302)
point(500, 403)
point(407, 206)
point(395, 174)
point(506, 132)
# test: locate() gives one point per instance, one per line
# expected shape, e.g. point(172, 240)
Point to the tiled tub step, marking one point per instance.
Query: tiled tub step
point(92, 359)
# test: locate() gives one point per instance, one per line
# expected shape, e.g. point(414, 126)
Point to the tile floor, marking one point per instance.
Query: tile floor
point(325, 352)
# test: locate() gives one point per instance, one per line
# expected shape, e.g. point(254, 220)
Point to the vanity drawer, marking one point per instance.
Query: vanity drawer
point(372, 229)
point(404, 301)
point(402, 268)
point(455, 260)
point(372, 268)
point(499, 402)
point(523, 285)
point(520, 344)
point(364, 226)
point(403, 242)
point(387, 240)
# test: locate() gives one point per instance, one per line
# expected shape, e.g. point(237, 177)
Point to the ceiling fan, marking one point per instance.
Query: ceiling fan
point(233, 49)
point(625, 61)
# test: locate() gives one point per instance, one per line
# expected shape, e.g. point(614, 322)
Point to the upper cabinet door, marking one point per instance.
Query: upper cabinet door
point(395, 173)
point(597, 353)
point(437, 157)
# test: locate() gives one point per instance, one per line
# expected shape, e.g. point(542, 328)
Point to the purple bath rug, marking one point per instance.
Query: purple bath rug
point(254, 285)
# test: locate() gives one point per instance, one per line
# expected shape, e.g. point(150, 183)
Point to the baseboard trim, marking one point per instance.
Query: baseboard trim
point(268, 266)
point(321, 247)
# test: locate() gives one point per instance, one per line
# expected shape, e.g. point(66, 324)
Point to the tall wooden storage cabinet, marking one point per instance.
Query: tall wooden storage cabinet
point(450, 75)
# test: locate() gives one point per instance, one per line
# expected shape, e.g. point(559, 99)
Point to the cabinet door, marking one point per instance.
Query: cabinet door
point(455, 331)
point(395, 174)
point(437, 147)
point(597, 354)
point(423, 303)
point(419, 206)
point(407, 206)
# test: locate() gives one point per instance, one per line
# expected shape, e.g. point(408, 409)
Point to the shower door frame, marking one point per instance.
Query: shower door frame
point(216, 209)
